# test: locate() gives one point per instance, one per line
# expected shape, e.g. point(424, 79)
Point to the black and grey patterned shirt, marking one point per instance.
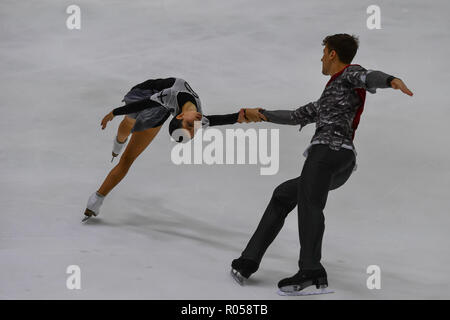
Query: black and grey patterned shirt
point(337, 111)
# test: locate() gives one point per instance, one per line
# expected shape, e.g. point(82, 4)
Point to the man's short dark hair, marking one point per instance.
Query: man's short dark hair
point(344, 44)
point(174, 125)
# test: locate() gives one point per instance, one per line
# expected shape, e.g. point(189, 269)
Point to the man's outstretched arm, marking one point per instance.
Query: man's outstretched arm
point(372, 80)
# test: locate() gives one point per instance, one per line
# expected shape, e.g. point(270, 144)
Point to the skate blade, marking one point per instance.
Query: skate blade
point(86, 218)
point(237, 277)
point(308, 291)
point(87, 215)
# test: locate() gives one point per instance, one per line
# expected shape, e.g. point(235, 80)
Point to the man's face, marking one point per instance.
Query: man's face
point(326, 60)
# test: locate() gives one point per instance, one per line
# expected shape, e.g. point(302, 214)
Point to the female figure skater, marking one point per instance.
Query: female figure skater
point(147, 107)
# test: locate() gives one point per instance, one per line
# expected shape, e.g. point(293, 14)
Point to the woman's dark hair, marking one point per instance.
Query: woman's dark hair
point(175, 123)
point(344, 44)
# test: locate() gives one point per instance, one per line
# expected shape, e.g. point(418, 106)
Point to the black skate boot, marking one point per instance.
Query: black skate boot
point(305, 282)
point(242, 269)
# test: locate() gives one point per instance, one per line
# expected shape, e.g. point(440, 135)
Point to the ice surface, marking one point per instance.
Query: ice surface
point(171, 232)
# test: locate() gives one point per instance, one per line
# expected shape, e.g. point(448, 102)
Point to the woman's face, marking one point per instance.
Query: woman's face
point(188, 119)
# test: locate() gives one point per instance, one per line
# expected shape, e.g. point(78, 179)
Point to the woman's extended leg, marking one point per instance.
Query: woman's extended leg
point(123, 132)
point(138, 142)
point(124, 129)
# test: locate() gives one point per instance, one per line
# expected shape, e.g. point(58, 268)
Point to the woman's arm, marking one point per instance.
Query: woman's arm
point(135, 106)
point(132, 107)
point(232, 118)
point(222, 119)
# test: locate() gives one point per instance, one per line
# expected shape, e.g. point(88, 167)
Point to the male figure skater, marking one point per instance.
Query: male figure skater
point(330, 160)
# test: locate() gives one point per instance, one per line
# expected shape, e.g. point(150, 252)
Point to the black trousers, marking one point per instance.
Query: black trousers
point(324, 170)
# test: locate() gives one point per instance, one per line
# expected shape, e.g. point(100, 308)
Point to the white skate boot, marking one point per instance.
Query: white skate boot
point(93, 206)
point(117, 147)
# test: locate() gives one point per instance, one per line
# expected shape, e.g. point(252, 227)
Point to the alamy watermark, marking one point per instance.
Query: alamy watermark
point(74, 20)
point(73, 282)
point(374, 280)
point(211, 146)
point(374, 20)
